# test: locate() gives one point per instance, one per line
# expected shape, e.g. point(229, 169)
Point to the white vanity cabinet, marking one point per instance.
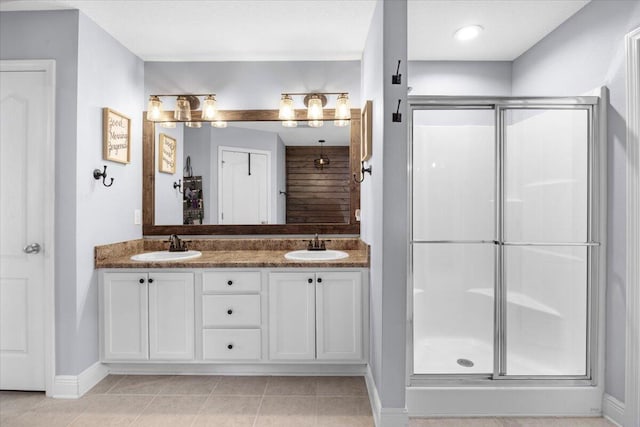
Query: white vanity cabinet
point(315, 316)
point(147, 316)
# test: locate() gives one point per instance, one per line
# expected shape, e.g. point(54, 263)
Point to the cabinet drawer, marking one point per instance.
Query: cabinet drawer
point(231, 344)
point(230, 310)
point(231, 281)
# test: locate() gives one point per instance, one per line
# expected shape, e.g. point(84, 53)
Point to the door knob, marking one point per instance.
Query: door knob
point(33, 248)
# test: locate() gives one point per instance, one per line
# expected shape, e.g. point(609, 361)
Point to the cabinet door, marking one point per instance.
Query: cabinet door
point(171, 316)
point(339, 315)
point(124, 316)
point(292, 316)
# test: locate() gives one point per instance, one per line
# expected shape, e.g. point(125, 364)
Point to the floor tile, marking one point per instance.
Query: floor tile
point(106, 384)
point(342, 386)
point(14, 403)
point(289, 411)
point(291, 386)
point(140, 384)
point(190, 384)
point(228, 411)
point(171, 411)
point(240, 386)
point(344, 411)
point(111, 410)
point(37, 419)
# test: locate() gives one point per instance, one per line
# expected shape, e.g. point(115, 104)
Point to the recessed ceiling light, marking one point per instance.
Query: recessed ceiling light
point(467, 33)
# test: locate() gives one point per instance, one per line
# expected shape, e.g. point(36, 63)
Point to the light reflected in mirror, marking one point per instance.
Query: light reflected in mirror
point(254, 173)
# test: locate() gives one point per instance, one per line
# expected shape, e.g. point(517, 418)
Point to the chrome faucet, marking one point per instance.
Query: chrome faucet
point(176, 245)
point(316, 244)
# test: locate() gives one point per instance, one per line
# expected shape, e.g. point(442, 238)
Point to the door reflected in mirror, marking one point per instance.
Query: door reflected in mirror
point(255, 173)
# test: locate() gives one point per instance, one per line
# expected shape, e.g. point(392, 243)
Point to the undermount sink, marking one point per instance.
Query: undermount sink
point(305, 255)
point(160, 256)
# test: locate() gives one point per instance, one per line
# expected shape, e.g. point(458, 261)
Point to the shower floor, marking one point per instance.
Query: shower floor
point(440, 355)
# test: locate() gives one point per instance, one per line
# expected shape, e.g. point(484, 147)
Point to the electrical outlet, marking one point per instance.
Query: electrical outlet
point(137, 217)
point(357, 214)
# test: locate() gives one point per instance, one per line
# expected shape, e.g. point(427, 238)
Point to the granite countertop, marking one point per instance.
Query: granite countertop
point(227, 253)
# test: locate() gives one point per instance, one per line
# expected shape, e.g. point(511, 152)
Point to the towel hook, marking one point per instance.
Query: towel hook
point(178, 185)
point(97, 175)
point(363, 170)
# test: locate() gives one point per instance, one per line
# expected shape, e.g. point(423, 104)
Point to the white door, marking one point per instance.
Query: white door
point(244, 181)
point(339, 315)
point(171, 316)
point(292, 316)
point(124, 299)
point(24, 116)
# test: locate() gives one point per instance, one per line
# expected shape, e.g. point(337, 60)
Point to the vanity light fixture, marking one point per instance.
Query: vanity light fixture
point(315, 103)
point(154, 109)
point(219, 124)
point(185, 105)
point(468, 33)
point(323, 160)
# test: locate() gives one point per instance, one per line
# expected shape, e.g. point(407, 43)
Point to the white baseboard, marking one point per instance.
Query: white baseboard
point(384, 417)
point(74, 386)
point(147, 368)
point(504, 401)
point(613, 409)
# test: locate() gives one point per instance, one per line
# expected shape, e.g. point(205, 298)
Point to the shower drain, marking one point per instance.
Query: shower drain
point(465, 362)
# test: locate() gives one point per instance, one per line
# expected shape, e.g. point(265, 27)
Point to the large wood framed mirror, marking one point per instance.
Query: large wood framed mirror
point(252, 177)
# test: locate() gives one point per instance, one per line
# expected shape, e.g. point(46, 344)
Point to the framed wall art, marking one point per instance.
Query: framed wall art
point(366, 144)
point(116, 136)
point(167, 154)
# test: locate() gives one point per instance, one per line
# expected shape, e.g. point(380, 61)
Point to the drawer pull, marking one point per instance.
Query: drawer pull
point(141, 280)
point(230, 346)
point(230, 282)
point(229, 312)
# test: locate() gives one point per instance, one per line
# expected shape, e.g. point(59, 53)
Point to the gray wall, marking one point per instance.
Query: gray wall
point(253, 85)
point(463, 78)
point(384, 200)
point(92, 71)
point(584, 53)
point(111, 76)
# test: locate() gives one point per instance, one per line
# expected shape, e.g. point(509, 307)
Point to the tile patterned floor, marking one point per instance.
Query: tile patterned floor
point(216, 401)
point(225, 401)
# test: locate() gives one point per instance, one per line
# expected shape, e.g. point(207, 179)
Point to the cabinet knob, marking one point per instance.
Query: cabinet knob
point(150, 280)
point(230, 282)
point(229, 311)
point(319, 279)
point(230, 346)
point(141, 280)
point(310, 280)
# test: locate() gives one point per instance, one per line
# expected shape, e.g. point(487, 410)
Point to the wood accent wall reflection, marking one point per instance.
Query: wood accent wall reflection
point(314, 195)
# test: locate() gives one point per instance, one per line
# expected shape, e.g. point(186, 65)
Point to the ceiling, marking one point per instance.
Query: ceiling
point(287, 30)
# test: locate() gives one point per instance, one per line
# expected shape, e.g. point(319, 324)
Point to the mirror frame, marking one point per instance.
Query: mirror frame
point(149, 228)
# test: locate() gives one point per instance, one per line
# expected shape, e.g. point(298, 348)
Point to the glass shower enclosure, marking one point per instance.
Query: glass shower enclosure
point(505, 246)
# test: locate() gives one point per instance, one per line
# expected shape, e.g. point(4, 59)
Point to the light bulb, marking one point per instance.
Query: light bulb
point(287, 112)
point(183, 109)
point(154, 109)
point(314, 108)
point(209, 108)
point(219, 124)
